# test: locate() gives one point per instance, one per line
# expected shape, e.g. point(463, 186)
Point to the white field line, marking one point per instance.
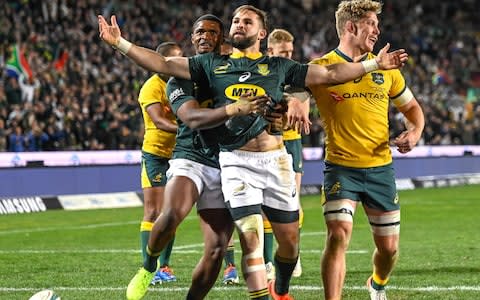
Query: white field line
point(81, 227)
point(294, 287)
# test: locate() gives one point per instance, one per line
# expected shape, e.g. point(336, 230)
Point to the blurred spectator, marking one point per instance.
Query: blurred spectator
point(16, 140)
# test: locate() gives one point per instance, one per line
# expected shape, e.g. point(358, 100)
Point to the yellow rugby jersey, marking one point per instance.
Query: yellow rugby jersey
point(355, 114)
point(291, 134)
point(156, 141)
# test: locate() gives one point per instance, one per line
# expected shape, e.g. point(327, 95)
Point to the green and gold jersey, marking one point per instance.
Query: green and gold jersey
point(230, 77)
point(156, 141)
point(355, 114)
point(197, 145)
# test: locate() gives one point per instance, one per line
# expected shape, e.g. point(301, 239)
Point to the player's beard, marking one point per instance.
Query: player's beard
point(243, 43)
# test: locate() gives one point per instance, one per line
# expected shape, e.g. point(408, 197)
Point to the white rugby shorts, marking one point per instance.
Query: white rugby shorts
point(206, 179)
point(252, 178)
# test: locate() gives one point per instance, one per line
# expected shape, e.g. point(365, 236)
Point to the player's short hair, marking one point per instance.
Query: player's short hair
point(278, 36)
point(165, 48)
point(262, 15)
point(354, 10)
point(209, 17)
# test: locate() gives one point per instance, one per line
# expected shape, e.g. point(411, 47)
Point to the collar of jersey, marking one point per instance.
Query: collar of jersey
point(348, 58)
point(247, 55)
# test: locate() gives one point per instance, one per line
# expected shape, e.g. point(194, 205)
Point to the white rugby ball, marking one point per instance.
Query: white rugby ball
point(45, 295)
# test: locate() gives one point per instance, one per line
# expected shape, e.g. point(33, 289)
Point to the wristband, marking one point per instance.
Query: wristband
point(230, 109)
point(123, 45)
point(370, 65)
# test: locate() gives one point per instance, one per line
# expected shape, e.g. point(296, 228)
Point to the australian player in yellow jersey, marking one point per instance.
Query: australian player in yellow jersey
point(358, 162)
point(280, 43)
point(158, 143)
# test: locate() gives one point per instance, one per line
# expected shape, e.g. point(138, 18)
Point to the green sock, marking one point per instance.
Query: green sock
point(268, 247)
point(229, 258)
point(284, 268)
point(144, 235)
point(166, 253)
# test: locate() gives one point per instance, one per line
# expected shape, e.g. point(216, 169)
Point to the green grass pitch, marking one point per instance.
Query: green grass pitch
point(93, 254)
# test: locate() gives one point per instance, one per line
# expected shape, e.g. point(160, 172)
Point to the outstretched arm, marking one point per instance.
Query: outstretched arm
point(146, 58)
point(344, 72)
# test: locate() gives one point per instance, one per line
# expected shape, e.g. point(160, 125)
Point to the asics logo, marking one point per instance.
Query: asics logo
point(244, 76)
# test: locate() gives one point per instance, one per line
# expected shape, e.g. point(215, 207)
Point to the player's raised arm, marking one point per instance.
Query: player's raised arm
point(146, 58)
point(343, 72)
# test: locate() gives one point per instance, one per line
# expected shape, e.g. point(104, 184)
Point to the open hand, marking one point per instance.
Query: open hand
point(109, 33)
point(391, 60)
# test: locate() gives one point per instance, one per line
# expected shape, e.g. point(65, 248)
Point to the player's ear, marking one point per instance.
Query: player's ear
point(350, 27)
point(262, 34)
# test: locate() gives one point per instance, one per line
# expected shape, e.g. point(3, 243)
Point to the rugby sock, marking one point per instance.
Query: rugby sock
point(378, 283)
point(284, 269)
point(166, 253)
point(268, 246)
point(150, 263)
point(262, 294)
point(145, 229)
point(229, 258)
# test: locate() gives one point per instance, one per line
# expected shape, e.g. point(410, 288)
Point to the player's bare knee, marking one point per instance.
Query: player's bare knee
point(168, 221)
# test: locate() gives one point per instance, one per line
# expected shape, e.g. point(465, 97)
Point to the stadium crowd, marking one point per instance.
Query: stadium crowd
point(81, 97)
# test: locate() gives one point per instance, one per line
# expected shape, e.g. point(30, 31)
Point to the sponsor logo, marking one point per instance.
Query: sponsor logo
point(22, 205)
point(378, 78)
point(221, 69)
point(396, 199)
point(175, 94)
point(234, 92)
point(263, 69)
point(336, 97)
point(244, 76)
point(363, 95)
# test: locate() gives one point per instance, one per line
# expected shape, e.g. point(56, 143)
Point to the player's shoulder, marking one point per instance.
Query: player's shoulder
point(326, 59)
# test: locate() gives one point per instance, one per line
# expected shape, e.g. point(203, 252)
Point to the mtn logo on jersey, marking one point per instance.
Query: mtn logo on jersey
point(234, 92)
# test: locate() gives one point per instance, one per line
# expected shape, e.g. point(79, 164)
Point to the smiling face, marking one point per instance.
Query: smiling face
point(246, 29)
point(207, 36)
point(365, 32)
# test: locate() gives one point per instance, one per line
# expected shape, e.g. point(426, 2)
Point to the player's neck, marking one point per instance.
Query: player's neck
point(350, 50)
point(249, 52)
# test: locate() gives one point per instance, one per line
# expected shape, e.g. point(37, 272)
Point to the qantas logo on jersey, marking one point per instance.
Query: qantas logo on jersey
point(234, 92)
point(363, 95)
